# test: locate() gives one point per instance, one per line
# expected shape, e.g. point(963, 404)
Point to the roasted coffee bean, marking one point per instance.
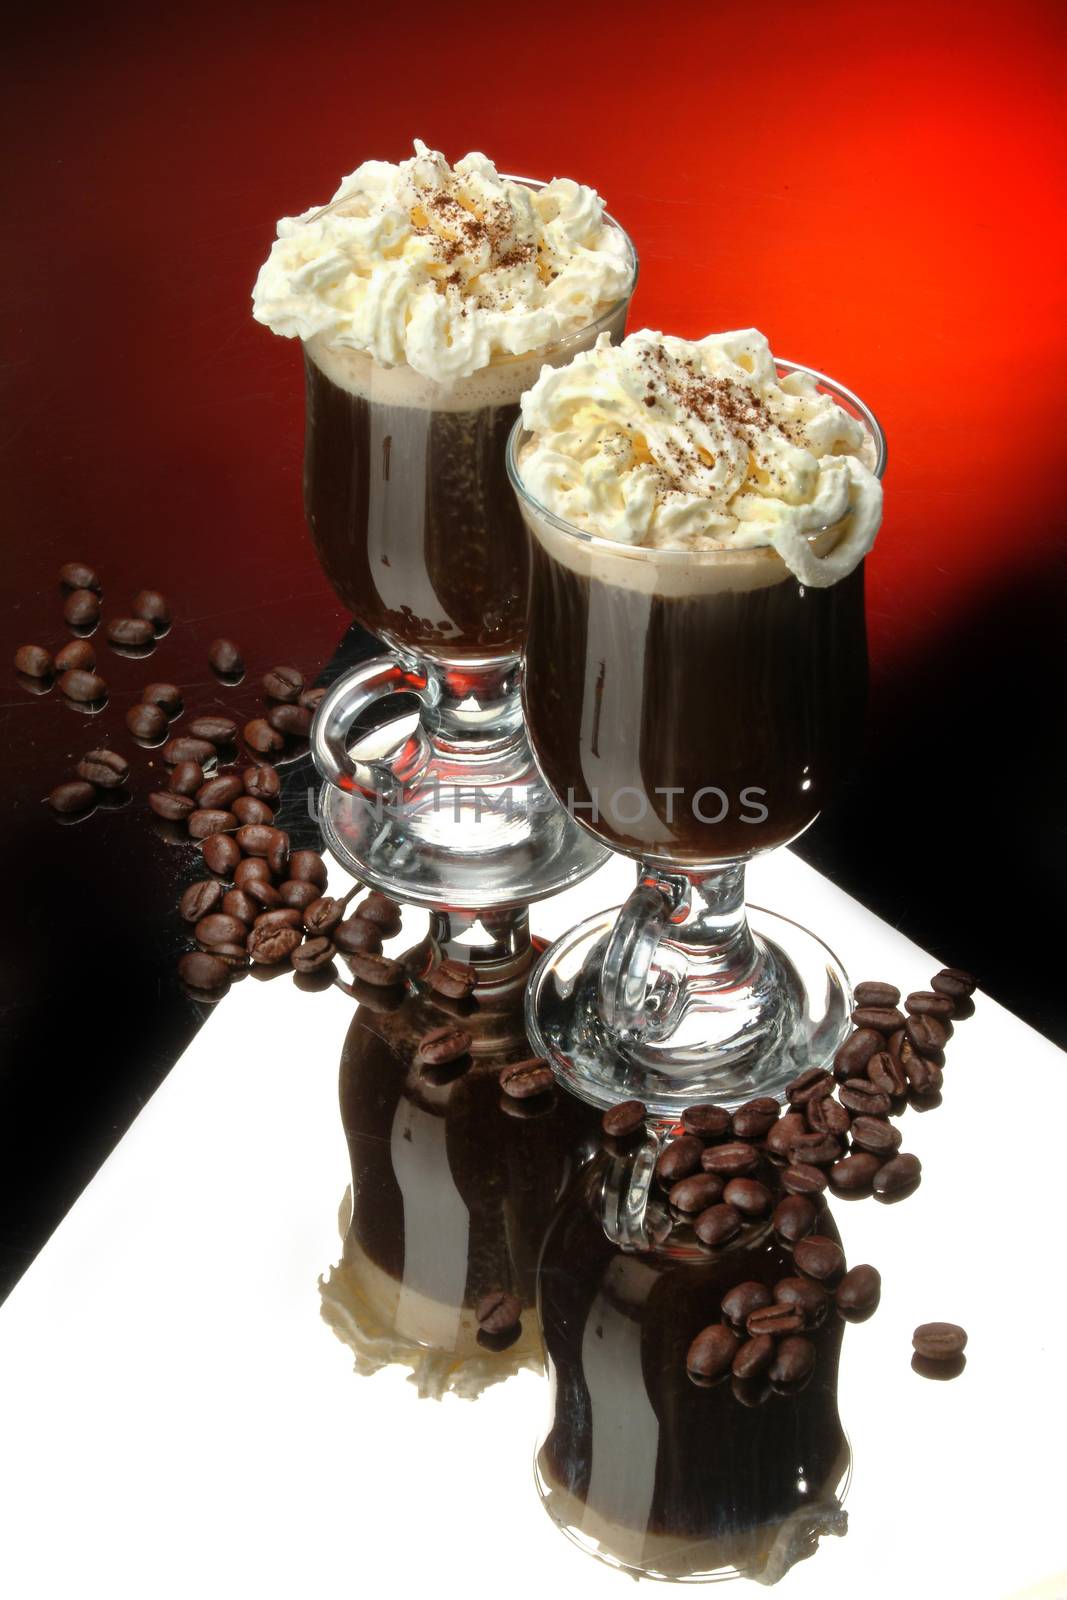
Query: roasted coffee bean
point(219, 794)
point(323, 915)
point(706, 1122)
point(855, 1053)
point(626, 1119)
point(810, 1085)
point(105, 768)
point(785, 1130)
point(221, 854)
point(225, 658)
point(733, 1160)
point(939, 1341)
point(256, 839)
point(130, 631)
point(774, 1319)
point(296, 894)
point(498, 1311)
point(754, 1357)
point(146, 722)
point(454, 979)
point(711, 1354)
point(182, 748)
point(810, 1299)
point(718, 1224)
point(376, 970)
point(355, 935)
point(314, 955)
point(926, 1035)
point(802, 1178)
point(262, 783)
point(444, 1044)
point(247, 810)
point(794, 1218)
point(794, 1360)
point(270, 946)
point(172, 807)
point(755, 1118)
point(863, 1099)
point(202, 971)
point(383, 912)
point(283, 683)
point(70, 798)
point(859, 1291)
point(855, 1172)
point(693, 1194)
point(79, 575)
point(814, 1150)
point(899, 1046)
point(922, 1002)
point(311, 699)
point(234, 955)
point(187, 778)
point(522, 1080)
point(739, 1302)
point(235, 903)
point(84, 687)
point(167, 696)
point(259, 735)
point(678, 1159)
point(954, 982)
point(875, 1135)
point(898, 1175)
point(819, 1257)
point(291, 721)
point(216, 730)
point(200, 899)
point(152, 607)
point(82, 608)
point(34, 660)
point(309, 867)
point(886, 1074)
point(280, 917)
point(218, 928)
point(202, 822)
point(883, 995)
point(252, 870)
point(827, 1116)
point(883, 1019)
point(924, 1078)
point(78, 655)
point(261, 890)
point(746, 1195)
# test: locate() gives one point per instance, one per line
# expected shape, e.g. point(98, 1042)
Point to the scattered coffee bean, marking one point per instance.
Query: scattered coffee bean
point(695, 1193)
point(814, 1150)
point(498, 1311)
point(221, 854)
point(733, 1160)
point(863, 1099)
point(218, 928)
point(167, 696)
point(920, 1003)
point(754, 1357)
point(522, 1080)
point(811, 1085)
point(105, 768)
point(256, 838)
point(453, 979)
point(785, 1130)
point(810, 1299)
point(171, 807)
point(801, 1178)
point(297, 895)
point(739, 1302)
point(216, 730)
point(355, 935)
point(626, 1119)
point(882, 1019)
point(269, 946)
point(283, 683)
point(311, 699)
point(309, 867)
point(34, 660)
point(314, 955)
point(857, 1050)
point(236, 903)
point(183, 748)
point(252, 870)
point(712, 1352)
point(234, 955)
point(776, 1319)
point(793, 1361)
point(954, 982)
point(293, 722)
point(84, 687)
point(706, 1122)
point(79, 575)
point(187, 778)
point(130, 631)
point(887, 1074)
point(855, 1172)
point(443, 1045)
point(746, 1195)
point(859, 1291)
point(794, 1218)
point(262, 783)
point(202, 823)
point(376, 970)
point(78, 655)
point(225, 658)
point(200, 900)
point(898, 1175)
point(923, 1076)
point(882, 995)
point(827, 1116)
point(819, 1257)
point(718, 1224)
point(146, 722)
point(69, 798)
point(939, 1341)
point(202, 971)
point(926, 1035)
point(678, 1159)
point(323, 915)
point(755, 1118)
point(383, 912)
point(259, 735)
point(151, 606)
point(248, 810)
point(261, 890)
point(82, 608)
point(875, 1135)
point(220, 793)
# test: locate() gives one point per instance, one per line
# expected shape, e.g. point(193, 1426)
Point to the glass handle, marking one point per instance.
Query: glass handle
point(385, 777)
point(639, 927)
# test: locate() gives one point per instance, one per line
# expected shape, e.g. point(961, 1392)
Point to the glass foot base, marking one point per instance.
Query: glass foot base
point(713, 1051)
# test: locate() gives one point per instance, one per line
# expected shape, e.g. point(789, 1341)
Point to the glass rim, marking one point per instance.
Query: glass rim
point(853, 403)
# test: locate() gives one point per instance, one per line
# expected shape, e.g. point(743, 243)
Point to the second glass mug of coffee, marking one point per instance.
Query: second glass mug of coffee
point(692, 709)
point(410, 510)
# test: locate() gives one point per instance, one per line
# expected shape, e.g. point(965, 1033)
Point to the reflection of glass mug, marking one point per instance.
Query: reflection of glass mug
point(692, 708)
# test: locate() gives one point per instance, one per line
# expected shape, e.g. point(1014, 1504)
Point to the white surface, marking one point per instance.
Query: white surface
point(176, 1419)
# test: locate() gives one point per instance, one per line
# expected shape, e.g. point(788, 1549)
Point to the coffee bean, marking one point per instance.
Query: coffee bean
point(718, 1224)
point(259, 735)
point(695, 1193)
point(262, 783)
point(785, 1130)
point(775, 1319)
point(167, 696)
point(626, 1119)
point(383, 912)
point(856, 1051)
point(311, 699)
point(221, 854)
point(355, 935)
point(78, 655)
point(270, 946)
point(260, 890)
point(926, 1035)
point(172, 807)
point(752, 1199)
point(498, 1311)
point(200, 899)
point(218, 793)
point(739, 1302)
point(185, 749)
point(811, 1085)
point(755, 1118)
point(291, 721)
point(794, 1218)
point(923, 1076)
point(202, 971)
point(522, 1080)
point(34, 660)
point(225, 658)
point(886, 1074)
point(800, 1178)
point(793, 1362)
point(297, 895)
point(235, 903)
point(105, 768)
point(152, 606)
point(283, 683)
point(954, 982)
point(855, 1172)
point(814, 1150)
point(252, 870)
point(939, 1341)
point(920, 1003)
point(444, 1044)
point(819, 1257)
point(376, 970)
point(863, 1099)
point(218, 928)
point(734, 1160)
point(70, 798)
point(827, 1116)
point(216, 730)
point(247, 810)
point(882, 995)
point(678, 1159)
point(706, 1121)
point(314, 955)
point(280, 917)
point(79, 575)
point(323, 915)
point(898, 1175)
point(875, 1135)
point(202, 822)
point(256, 839)
point(309, 867)
point(146, 722)
point(711, 1353)
point(234, 955)
point(187, 778)
point(754, 1357)
point(859, 1291)
point(82, 608)
point(882, 1019)
point(810, 1299)
point(130, 631)
point(454, 979)
point(84, 687)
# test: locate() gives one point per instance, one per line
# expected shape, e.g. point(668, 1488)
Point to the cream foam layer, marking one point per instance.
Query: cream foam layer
point(663, 444)
point(444, 269)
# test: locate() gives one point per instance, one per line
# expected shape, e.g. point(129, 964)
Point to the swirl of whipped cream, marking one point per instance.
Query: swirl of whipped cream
point(444, 269)
point(680, 445)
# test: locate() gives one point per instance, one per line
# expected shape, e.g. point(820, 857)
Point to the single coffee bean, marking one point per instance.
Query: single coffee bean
point(262, 783)
point(34, 660)
point(84, 687)
point(693, 1194)
point(252, 870)
point(270, 946)
point(678, 1159)
point(247, 810)
point(863, 1099)
point(82, 608)
point(882, 995)
point(898, 1175)
point(171, 807)
point(260, 890)
point(875, 1135)
point(443, 1044)
point(221, 854)
point(131, 631)
point(855, 1172)
point(152, 606)
point(924, 1077)
point(185, 749)
point(218, 928)
point(280, 917)
point(522, 1080)
point(810, 1299)
point(297, 895)
point(219, 794)
point(920, 1003)
point(235, 903)
point(79, 575)
point(167, 696)
point(256, 839)
point(811, 1085)
point(70, 798)
point(827, 1116)
point(755, 1118)
point(939, 1341)
point(234, 955)
point(802, 1178)
point(746, 1195)
point(77, 655)
point(785, 1130)
point(187, 778)
point(498, 1311)
point(794, 1218)
point(886, 1074)
point(283, 683)
point(200, 899)
point(259, 735)
point(106, 768)
point(754, 1357)
point(146, 722)
point(355, 935)
point(313, 955)
point(201, 823)
point(377, 970)
point(855, 1053)
point(453, 979)
point(739, 1302)
point(882, 1019)
point(323, 915)
point(733, 1160)
point(311, 699)
point(202, 971)
point(819, 1257)
point(309, 867)
point(793, 1361)
point(815, 1150)
point(954, 982)
point(706, 1122)
point(899, 1046)
point(291, 721)
point(859, 1291)
point(383, 912)
point(626, 1119)
point(711, 1354)
point(225, 658)
point(718, 1224)
point(216, 730)
point(926, 1035)
point(776, 1319)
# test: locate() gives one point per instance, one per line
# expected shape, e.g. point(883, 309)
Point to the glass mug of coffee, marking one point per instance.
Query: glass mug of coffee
point(692, 701)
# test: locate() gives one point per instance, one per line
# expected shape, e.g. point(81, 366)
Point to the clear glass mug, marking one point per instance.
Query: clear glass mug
point(691, 709)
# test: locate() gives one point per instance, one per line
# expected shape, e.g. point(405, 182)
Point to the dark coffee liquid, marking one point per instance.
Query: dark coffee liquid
point(414, 520)
point(734, 691)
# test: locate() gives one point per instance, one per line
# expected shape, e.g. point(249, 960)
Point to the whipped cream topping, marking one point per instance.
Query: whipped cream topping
point(444, 269)
point(679, 445)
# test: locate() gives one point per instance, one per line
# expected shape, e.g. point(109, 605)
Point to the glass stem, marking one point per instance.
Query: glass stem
point(476, 705)
point(710, 922)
